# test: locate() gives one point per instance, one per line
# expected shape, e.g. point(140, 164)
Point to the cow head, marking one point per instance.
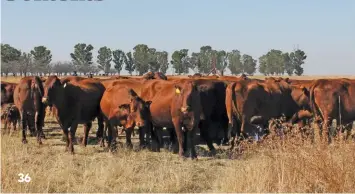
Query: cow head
point(139, 113)
point(187, 102)
point(51, 87)
point(300, 95)
point(13, 112)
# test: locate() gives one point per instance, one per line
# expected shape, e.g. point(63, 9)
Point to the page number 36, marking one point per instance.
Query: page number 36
point(24, 178)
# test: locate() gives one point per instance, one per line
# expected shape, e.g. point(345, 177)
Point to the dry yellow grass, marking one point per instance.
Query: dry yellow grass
point(268, 167)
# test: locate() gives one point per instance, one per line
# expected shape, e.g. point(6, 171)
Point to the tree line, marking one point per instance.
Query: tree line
point(143, 59)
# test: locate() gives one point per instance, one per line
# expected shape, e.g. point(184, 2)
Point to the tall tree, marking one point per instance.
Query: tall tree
point(234, 62)
point(154, 66)
point(273, 61)
point(162, 60)
point(25, 63)
point(298, 57)
point(119, 58)
point(82, 57)
point(180, 61)
point(206, 56)
point(289, 66)
point(249, 64)
point(222, 61)
point(9, 58)
point(9, 53)
point(104, 59)
point(141, 58)
point(129, 61)
point(42, 58)
point(263, 68)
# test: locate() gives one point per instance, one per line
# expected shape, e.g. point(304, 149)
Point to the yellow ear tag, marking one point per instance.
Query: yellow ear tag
point(177, 90)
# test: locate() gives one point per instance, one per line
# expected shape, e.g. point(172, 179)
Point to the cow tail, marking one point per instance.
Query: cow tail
point(339, 104)
point(229, 100)
point(313, 104)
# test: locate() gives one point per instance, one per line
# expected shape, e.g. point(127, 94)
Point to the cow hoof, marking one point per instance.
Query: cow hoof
point(129, 146)
point(24, 141)
point(212, 153)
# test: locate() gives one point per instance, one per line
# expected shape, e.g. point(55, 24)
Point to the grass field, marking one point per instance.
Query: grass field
point(273, 166)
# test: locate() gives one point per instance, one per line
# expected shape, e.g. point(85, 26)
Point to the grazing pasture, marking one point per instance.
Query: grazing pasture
point(292, 165)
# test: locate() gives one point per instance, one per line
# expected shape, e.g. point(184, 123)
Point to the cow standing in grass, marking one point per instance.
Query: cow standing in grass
point(75, 103)
point(27, 97)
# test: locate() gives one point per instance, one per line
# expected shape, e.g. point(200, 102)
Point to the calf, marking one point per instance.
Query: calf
point(7, 92)
point(123, 107)
point(10, 115)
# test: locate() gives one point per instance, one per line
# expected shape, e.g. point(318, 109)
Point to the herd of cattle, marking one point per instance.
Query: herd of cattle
point(240, 106)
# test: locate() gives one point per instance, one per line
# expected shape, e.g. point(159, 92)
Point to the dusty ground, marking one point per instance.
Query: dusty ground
point(294, 166)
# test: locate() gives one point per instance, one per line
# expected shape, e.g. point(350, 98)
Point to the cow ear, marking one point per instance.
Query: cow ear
point(305, 90)
point(123, 106)
point(288, 80)
point(177, 89)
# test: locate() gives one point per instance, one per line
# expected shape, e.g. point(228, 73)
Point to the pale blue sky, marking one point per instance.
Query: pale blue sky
point(324, 29)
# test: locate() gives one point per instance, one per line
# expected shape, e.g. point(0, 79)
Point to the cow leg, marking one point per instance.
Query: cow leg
point(142, 141)
point(31, 122)
point(102, 140)
point(156, 138)
point(325, 129)
point(14, 125)
point(129, 144)
point(41, 120)
point(179, 135)
point(5, 123)
point(100, 130)
point(66, 137)
point(205, 124)
point(71, 136)
point(87, 128)
point(111, 138)
point(191, 143)
point(172, 145)
point(39, 130)
point(24, 117)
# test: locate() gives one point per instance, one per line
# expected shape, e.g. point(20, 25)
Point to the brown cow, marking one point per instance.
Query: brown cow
point(123, 107)
point(27, 97)
point(75, 103)
point(254, 103)
point(7, 92)
point(10, 115)
point(212, 95)
point(174, 105)
point(333, 99)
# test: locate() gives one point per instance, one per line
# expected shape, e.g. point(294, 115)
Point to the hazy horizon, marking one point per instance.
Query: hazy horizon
point(323, 29)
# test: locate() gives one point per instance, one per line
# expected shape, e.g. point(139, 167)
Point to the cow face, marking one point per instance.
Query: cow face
point(300, 95)
point(187, 100)
point(139, 114)
point(50, 89)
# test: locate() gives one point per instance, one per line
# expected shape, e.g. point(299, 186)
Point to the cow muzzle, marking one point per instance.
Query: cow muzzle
point(44, 100)
point(185, 110)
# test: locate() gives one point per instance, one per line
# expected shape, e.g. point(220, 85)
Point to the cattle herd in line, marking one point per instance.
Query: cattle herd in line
point(239, 105)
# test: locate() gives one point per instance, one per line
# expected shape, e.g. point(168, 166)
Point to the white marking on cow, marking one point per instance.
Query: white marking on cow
point(69, 129)
point(65, 85)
